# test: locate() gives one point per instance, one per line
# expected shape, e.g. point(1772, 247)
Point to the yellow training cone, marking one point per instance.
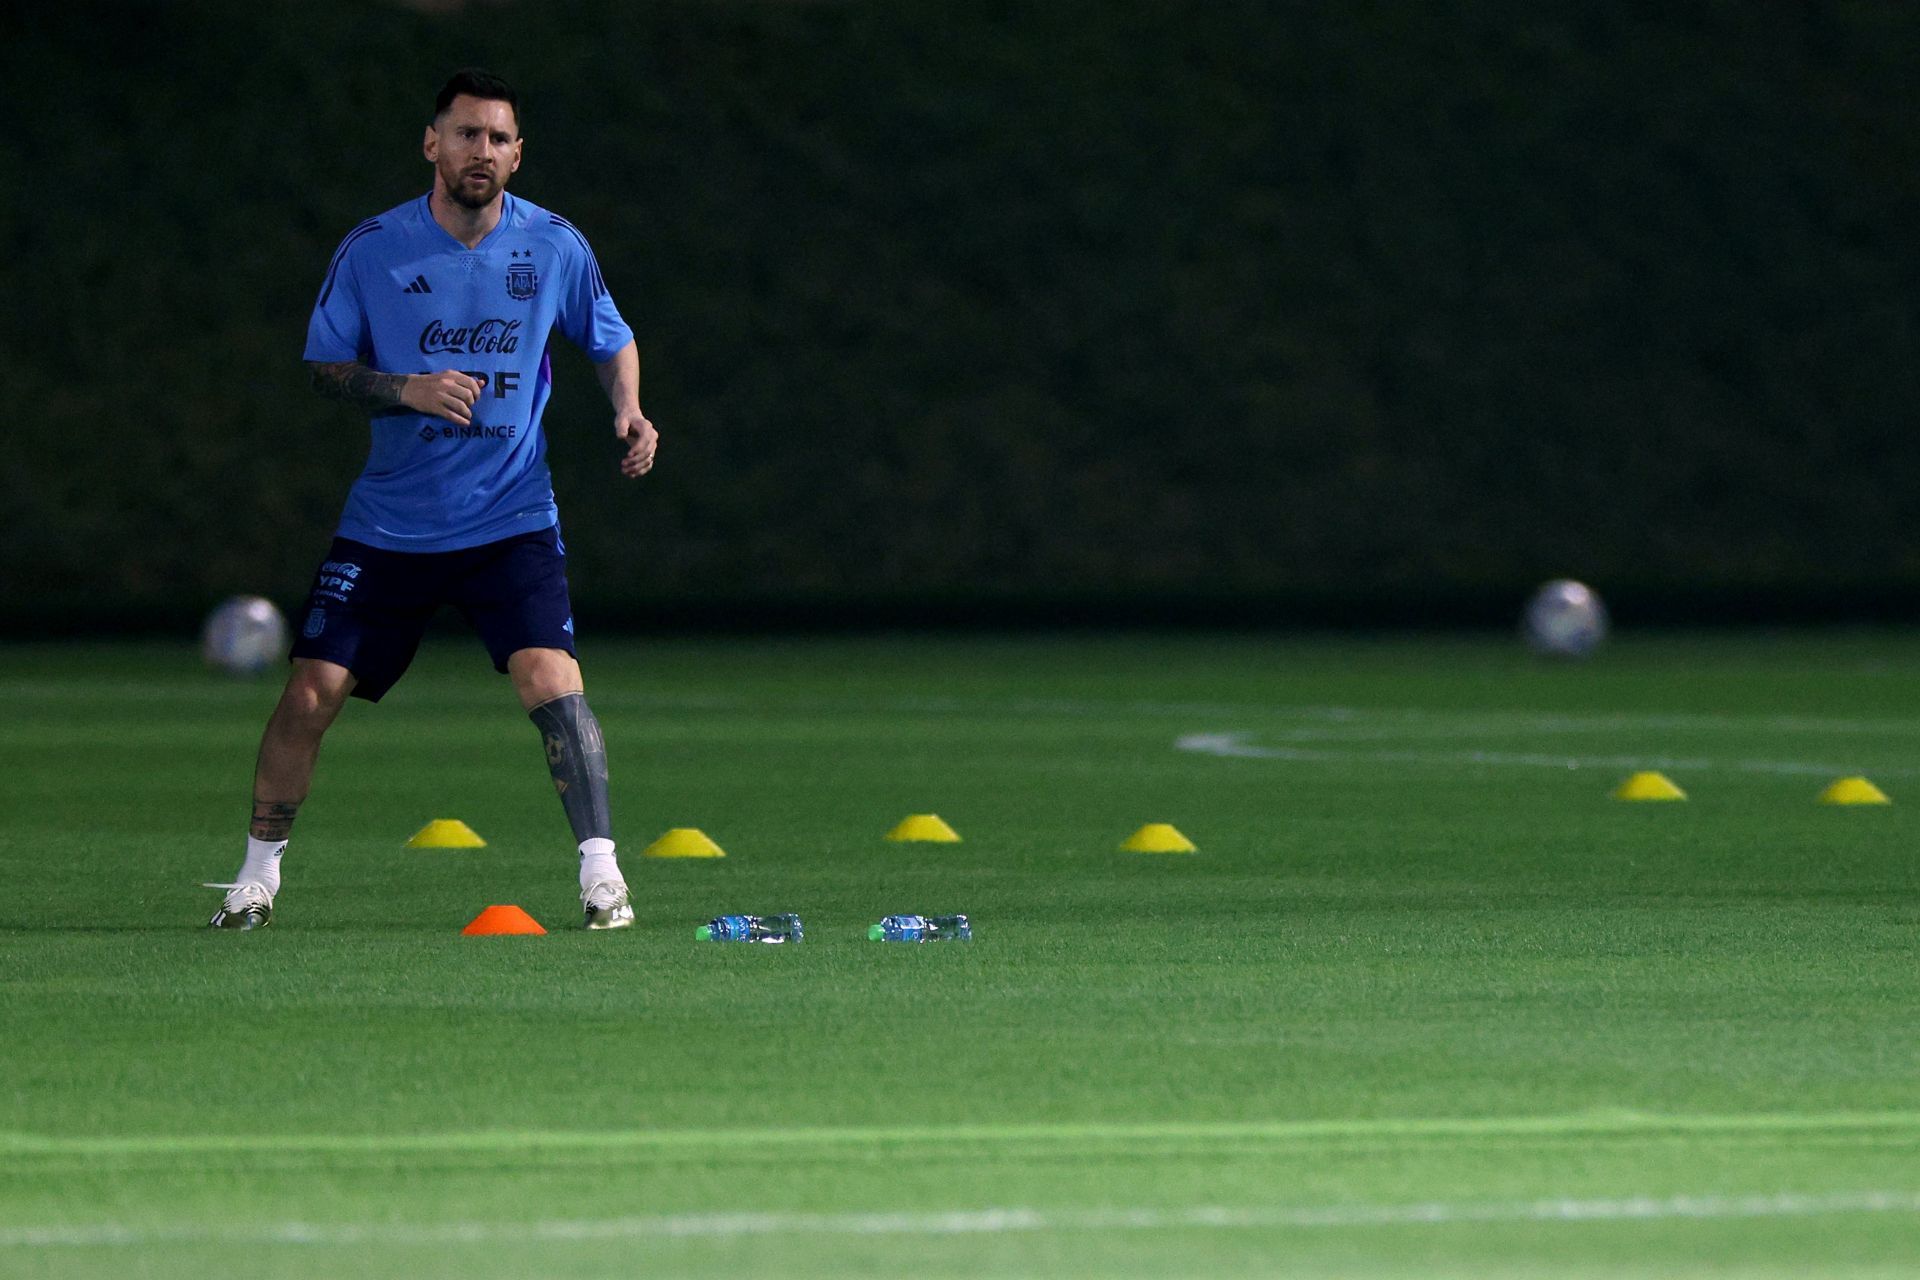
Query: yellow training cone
point(446, 833)
point(683, 842)
point(927, 827)
point(1158, 837)
point(1649, 786)
point(1853, 791)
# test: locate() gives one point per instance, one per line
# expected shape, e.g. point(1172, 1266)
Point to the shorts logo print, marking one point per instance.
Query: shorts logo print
point(336, 581)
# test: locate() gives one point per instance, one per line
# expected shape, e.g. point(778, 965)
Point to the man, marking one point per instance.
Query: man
point(434, 318)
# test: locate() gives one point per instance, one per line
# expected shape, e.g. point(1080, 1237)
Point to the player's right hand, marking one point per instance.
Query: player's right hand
point(447, 394)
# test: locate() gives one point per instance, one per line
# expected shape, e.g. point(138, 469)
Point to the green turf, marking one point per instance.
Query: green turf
point(1423, 983)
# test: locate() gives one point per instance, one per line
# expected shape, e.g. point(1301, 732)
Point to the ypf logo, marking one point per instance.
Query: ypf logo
point(484, 337)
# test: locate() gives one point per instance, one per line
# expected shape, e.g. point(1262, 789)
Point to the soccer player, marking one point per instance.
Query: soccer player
point(434, 318)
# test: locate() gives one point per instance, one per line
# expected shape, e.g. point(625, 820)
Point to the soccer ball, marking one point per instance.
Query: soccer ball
point(244, 636)
point(1564, 619)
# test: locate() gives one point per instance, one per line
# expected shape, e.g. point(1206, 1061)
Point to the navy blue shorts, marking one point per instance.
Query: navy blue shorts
point(368, 607)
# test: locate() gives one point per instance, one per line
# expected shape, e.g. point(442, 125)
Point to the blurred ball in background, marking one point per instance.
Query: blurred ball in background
point(244, 636)
point(1564, 619)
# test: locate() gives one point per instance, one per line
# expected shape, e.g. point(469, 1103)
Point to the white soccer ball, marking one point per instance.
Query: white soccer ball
point(244, 636)
point(1564, 619)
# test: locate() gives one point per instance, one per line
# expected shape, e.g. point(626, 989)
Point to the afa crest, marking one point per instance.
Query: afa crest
point(521, 280)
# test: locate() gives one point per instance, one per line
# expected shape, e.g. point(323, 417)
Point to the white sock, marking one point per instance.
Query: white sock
point(597, 863)
point(263, 864)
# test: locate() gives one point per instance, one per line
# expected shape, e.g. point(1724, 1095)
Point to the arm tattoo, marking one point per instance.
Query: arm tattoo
point(355, 384)
point(272, 819)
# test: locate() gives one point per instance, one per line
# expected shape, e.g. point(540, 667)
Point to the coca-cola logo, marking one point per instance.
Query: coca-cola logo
point(481, 338)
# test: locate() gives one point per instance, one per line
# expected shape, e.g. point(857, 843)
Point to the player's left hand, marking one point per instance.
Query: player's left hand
point(642, 440)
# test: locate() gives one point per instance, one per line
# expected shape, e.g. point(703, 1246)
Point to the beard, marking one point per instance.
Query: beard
point(468, 196)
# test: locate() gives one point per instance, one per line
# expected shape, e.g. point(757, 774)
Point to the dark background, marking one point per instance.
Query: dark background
point(978, 312)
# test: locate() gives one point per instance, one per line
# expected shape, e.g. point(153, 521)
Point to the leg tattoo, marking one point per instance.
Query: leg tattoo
point(577, 757)
point(272, 819)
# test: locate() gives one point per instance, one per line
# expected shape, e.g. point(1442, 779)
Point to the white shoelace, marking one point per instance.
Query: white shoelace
point(615, 890)
point(238, 897)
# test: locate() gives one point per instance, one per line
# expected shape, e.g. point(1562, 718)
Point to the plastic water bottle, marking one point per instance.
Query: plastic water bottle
point(921, 929)
point(769, 929)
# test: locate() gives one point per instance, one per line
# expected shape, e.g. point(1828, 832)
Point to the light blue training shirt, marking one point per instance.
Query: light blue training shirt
point(403, 296)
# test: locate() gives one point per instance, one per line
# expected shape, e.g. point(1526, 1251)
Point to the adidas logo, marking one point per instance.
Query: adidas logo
point(419, 285)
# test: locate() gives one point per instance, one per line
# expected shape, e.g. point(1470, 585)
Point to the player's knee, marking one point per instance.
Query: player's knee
point(540, 675)
point(313, 696)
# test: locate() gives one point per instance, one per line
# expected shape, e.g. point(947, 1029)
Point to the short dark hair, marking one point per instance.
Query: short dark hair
point(476, 82)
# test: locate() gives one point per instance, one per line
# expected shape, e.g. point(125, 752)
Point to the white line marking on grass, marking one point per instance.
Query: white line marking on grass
point(992, 1221)
point(197, 692)
point(1236, 746)
point(1577, 1126)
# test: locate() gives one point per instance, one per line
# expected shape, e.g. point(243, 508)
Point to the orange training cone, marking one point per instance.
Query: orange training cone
point(498, 919)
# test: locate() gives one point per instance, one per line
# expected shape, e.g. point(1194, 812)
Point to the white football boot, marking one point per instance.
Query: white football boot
point(605, 905)
point(247, 906)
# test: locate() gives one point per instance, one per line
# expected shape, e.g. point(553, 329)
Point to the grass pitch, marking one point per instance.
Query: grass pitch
point(1427, 1002)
